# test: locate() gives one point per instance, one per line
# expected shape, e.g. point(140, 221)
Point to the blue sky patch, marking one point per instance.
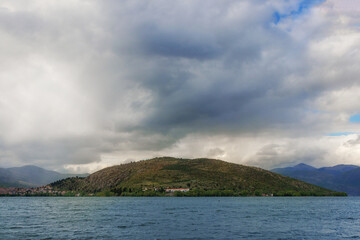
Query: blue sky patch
point(340, 134)
point(355, 118)
point(303, 6)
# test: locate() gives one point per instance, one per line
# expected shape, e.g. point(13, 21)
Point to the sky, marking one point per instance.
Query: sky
point(89, 84)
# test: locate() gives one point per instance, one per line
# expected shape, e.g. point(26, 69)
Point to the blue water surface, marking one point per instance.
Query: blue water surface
point(180, 218)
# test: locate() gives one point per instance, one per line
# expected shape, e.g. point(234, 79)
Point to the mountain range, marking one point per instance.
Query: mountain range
point(345, 178)
point(201, 177)
point(30, 176)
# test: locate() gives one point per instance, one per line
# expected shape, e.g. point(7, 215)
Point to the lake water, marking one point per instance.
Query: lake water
point(179, 218)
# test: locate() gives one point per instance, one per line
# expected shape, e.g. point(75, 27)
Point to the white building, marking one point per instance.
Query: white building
point(177, 189)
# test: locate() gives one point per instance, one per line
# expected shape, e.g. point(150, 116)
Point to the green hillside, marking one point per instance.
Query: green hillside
point(202, 176)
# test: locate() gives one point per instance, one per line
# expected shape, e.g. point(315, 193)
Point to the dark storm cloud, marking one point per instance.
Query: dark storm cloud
point(176, 43)
point(209, 72)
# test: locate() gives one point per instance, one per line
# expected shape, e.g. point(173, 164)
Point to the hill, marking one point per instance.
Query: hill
point(201, 176)
point(30, 176)
point(345, 178)
point(7, 180)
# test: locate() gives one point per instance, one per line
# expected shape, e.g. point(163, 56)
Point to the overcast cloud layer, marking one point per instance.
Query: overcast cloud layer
point(88, 84)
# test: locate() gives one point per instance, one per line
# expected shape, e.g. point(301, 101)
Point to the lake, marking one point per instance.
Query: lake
point(180, 218)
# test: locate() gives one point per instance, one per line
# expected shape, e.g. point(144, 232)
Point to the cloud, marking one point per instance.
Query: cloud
point(353, 142)
point(87, 84)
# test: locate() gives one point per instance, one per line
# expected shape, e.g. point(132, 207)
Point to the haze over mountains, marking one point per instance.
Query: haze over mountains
point(30, 176)
point(342, 177)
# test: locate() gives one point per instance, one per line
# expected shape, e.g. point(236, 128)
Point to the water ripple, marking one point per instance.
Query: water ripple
point(180, 218)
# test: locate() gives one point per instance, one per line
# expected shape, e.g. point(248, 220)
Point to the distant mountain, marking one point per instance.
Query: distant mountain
point(342, 177)
point(339, 168)
point(30, 176)
point(202, 176)
point(7, 180)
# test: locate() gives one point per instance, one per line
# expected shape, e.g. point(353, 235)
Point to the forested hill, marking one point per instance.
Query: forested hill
point(201, 176)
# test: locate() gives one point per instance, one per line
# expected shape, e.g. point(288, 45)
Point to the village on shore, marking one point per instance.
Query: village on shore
point(49, 191)
point(38, 191)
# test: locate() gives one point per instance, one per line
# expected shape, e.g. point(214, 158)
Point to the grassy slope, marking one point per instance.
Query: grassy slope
point(199, 174)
